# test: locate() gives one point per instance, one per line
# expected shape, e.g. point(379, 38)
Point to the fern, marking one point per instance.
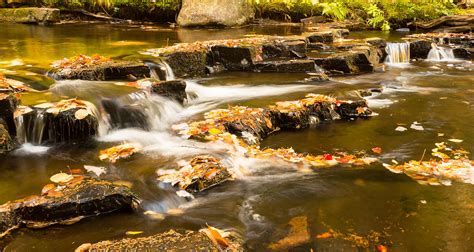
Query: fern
point(377, 18)
point(336, 10)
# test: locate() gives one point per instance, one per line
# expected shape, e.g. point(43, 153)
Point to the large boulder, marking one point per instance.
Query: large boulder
point(29, 15)
point(215, 12)
point(8, 104)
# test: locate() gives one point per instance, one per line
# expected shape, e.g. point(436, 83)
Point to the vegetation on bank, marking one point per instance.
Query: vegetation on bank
point(378, 14)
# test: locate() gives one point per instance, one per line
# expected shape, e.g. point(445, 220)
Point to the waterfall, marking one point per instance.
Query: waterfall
point(30, 128)
point(398, 53)
point(38, 128)
point(20, 129)
point(440, 53)
point(161, 71)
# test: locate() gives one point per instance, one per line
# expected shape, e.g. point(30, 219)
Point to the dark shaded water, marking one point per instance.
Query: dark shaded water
point(258, 206)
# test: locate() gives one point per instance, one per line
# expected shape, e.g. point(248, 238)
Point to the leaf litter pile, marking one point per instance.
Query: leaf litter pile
point(447, 165)
point(243, 127)
point(81, 61)
point(84, 108)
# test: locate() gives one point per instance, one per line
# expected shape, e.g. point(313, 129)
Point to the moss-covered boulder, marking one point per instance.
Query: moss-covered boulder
point(29, 15)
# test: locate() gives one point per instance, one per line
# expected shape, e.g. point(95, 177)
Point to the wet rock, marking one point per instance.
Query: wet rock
point(288, 66)
point(109, 70)
point(463, 53)
point(8, 104)
point(253, 126)
point(420, 48)
point(317, 77)
point(198, 174)
point(237, 58)
point(125, 115)
point(377, 42)
point(321, 37)
point(6, 142)
point(353, 109)
point(187, 63)
point(358, 60)
point(65, 203)
point(284, 49)
point(174, 89)
point(29, 15)
point(220, 12)
point(168, 241)
point(66, 128)
point(314, 20)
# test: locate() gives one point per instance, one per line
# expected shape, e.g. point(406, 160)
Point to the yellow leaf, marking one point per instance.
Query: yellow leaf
point(454, 140)
point(81, 114)
point(214, 131)
point(61, 178)
point(134, 232)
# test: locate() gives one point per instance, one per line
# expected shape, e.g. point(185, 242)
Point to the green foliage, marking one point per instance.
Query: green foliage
point(377, 17)
point(337, 10)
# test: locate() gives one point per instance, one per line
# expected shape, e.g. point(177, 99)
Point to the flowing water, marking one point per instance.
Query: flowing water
point(258, 206)
point(438, 53)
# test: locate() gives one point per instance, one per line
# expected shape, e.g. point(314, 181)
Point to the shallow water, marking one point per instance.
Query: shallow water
point(410, 217)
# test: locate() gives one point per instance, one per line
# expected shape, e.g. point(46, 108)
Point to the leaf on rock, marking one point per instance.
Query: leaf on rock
point(217, 236)
point(61, 178)
point(81, 114)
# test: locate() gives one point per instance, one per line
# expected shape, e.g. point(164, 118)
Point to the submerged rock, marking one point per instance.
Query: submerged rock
point(72, 199)
point(125, 115)
point(29, 15)
point(198, 174)
point(97, 68)
point(216, 12)
point(174, 89)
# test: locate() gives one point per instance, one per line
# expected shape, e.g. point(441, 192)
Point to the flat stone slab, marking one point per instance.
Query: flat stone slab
point(168, 241)
point(97, 68)
point(68, 201)
point(29, 15)
point(286, 66)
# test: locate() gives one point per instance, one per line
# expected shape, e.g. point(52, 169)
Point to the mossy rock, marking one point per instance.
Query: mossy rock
point(29, 15)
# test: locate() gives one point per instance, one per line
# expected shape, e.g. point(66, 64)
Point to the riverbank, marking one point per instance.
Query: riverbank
point(383, 15)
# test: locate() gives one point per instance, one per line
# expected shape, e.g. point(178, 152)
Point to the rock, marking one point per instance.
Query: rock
point(125, 115)
point(377, 42)
point(174, 89)
point(419, 48)
point(187, 63)
point(403, 30)
point(463, 53)
point(6, 142)
point(8, 104)
point(198, 174)
point(236, 58)
point(317, 77)
point(65, 203)
point(29, 15)
point(288, 66)
point(284, 49)
point(321, 37)
point(110, 70)
point(168, 241)
point(310, 21)
point(215, 12)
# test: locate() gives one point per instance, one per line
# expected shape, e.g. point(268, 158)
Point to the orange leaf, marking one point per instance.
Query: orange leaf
point(324, 235)
point(377, 150)
point(382, 248)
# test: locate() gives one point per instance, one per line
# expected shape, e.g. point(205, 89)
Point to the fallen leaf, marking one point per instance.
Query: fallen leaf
point(95, 169)
point(401, 129)
point(81, 114)
point(175, 211)
point(61, 178)
point(216, 236)
point(454, 140)
point(134, 232)
point(214, 131)
point(47, 188)
point(324, 235)
point(377, 150)
point(416, 126)
point(154, 215)
point(382, 248)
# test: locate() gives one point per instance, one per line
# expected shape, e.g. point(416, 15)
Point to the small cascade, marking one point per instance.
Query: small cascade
point(398, 53)
point(30, 128)
point(161, 71)
point(440, 53)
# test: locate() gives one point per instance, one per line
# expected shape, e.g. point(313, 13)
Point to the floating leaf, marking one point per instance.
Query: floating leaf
point(81, 114)
point(454, 140)
point(324, 235)
point(401, 129)
point(216, 236)
point(95, 169)
point(377, 150)
point(134, 232)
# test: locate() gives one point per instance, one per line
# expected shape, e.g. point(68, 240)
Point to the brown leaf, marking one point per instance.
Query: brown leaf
point(47, 188)
point(61, 178)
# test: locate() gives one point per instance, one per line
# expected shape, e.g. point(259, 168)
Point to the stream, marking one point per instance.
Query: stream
point(437, 93)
